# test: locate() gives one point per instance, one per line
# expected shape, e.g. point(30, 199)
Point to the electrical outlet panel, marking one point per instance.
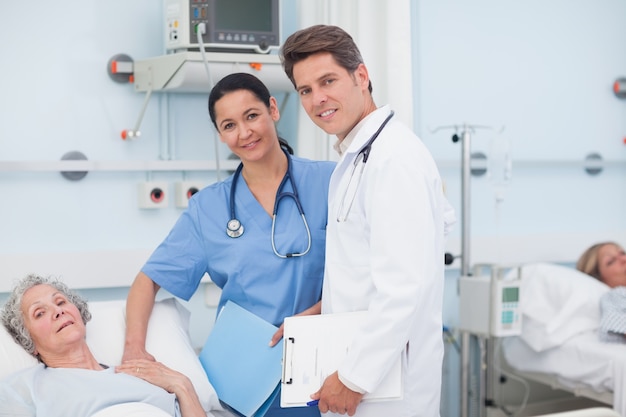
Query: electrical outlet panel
point(152, 195)
point(184, 190)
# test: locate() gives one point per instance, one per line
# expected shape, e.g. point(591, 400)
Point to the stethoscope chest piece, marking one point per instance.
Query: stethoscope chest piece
point(234, 228)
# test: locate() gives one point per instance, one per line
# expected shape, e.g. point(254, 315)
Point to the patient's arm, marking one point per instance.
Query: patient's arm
point(315, 309)
point(138, 309)
point(170, 380)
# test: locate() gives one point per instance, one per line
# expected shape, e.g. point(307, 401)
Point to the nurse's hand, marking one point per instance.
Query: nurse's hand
point(335, 397)
point(277, 336)
point(314, 309)
point(132, 353)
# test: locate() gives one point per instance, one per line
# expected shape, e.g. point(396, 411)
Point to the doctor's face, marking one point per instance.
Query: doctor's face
point(246, 124)
point(612, 265)
point(334, 99)
point(53, 322)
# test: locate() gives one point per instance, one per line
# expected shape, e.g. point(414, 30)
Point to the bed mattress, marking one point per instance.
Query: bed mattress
point(581, 363)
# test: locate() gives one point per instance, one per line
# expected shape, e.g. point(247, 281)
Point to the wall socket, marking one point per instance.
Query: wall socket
point(152, 195)
point(184, 190)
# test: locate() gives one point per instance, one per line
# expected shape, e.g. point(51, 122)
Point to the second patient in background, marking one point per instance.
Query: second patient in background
point(606, 261)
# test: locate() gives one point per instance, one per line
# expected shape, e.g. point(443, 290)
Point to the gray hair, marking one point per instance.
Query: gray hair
point(13, 318)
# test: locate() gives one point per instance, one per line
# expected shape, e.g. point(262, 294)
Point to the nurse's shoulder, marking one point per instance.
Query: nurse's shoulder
point(313, 167)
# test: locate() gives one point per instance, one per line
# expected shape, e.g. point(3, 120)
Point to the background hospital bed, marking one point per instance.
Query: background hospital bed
point(559, 345)
point(589, 412)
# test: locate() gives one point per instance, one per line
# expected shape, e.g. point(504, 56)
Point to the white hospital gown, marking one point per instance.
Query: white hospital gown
point(61, 392)
point(613, 321)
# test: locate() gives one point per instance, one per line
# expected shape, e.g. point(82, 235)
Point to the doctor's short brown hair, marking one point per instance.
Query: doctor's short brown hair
point(321, 38)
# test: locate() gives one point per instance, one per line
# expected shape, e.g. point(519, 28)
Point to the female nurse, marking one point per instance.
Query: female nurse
point(259, 234)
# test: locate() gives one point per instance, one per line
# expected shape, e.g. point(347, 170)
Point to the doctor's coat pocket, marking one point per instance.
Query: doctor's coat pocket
point(350, 239)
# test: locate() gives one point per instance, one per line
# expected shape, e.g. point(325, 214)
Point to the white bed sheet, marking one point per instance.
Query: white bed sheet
point(582, 362)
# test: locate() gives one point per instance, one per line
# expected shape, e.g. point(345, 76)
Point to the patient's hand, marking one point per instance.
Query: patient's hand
point(134, 352)
point(170, 380)
point(154, 372)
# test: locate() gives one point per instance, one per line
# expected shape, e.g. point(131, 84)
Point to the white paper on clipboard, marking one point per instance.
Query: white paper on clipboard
point(314, 346)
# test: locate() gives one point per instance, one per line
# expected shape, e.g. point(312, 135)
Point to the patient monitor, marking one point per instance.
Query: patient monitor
point(490, 305)
point(222, 25)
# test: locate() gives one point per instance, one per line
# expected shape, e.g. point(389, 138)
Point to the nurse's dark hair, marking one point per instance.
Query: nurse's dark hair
point(589, 262)
point(13, 318)
point(321, 38)
point(241, 81)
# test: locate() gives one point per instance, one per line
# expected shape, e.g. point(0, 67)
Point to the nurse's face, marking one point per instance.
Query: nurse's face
point(334, 99)
point(246, 124)
point(612, 265)
point(54, 324)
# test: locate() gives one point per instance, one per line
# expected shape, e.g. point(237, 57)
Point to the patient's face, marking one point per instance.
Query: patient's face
point(612, 265)
point(53, 322)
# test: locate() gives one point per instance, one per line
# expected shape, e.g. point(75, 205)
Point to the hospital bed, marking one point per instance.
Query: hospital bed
point(167, 339)
point(589, 412)
point(559, 345)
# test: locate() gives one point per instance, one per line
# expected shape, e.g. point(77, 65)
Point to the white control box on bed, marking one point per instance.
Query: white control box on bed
point(490, 305)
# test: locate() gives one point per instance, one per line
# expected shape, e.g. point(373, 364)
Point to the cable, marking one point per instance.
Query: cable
point(524, 402)
point(201, 30)
point(451, 339)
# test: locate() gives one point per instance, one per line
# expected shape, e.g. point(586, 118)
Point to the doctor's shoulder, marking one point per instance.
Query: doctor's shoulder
point(402, 143)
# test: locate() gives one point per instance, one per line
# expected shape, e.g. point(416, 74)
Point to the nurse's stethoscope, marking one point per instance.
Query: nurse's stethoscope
point(362, 156)
point(234, 228)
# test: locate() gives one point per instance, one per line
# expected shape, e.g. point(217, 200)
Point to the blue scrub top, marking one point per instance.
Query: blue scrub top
point(246, 268)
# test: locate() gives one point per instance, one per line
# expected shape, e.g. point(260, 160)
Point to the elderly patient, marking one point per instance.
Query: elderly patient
point(48, 320)
point(606, 261)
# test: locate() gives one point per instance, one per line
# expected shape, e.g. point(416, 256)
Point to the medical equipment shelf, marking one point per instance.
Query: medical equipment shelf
point(196, 72)
point(185, 72)
point(82, 165)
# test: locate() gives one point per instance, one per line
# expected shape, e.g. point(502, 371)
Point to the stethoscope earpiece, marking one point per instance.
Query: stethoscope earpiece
point(234, 228)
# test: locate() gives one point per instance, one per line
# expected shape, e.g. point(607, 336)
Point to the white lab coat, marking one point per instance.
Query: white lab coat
point(387, 258)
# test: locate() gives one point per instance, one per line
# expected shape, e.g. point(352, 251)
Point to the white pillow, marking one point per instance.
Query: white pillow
point(167, 339)
point(557, 303)
point(12, 356)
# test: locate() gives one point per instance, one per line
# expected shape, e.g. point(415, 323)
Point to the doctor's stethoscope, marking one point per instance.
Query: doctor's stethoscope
point(234, 228)
point(362, 156)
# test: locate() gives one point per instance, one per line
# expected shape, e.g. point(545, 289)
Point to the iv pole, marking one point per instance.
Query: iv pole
point(466, 142)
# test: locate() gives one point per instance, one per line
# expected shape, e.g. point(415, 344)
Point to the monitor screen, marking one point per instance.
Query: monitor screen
point(510, 294)
point(244, 15)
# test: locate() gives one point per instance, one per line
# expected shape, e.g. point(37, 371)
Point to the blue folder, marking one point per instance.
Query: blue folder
point(240, 365)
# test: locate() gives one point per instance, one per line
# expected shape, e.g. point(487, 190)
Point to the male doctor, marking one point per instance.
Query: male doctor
point(387, 221)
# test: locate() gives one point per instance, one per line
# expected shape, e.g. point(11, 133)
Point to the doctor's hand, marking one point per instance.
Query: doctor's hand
point(335, 397)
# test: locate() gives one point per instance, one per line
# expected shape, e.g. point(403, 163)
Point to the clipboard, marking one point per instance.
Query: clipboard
point(240, 365)
point(313, 347)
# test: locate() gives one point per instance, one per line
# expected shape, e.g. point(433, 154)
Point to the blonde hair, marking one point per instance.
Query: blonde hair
point(588, 261)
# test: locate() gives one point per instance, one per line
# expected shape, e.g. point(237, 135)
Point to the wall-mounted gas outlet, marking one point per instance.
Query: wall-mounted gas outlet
point(184, 190)
point(152, 195)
